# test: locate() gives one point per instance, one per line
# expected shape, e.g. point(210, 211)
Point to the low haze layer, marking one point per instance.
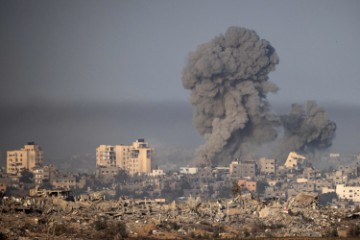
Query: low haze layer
point(76, 74)
point(68, 131)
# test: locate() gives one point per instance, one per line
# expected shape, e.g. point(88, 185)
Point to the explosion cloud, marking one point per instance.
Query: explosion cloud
point(228, 80)
point(307, 128)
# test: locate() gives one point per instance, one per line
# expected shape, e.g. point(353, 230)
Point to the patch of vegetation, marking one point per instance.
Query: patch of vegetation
point(217, 231)
point(332, 232)
point(60, 229)
point(110, 230)
point(278, 226)
point(246, 233)
point(354, 231)
point(100, 225)
point(119, 229)
point(170, 225)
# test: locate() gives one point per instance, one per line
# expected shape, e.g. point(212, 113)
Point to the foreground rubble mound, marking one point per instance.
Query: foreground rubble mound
point(242, 217)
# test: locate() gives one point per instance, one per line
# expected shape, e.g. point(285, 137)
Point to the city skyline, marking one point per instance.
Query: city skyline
point(69, 66)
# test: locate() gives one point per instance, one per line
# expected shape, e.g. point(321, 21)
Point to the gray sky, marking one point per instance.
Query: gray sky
point(79, 72)
point(57, 51)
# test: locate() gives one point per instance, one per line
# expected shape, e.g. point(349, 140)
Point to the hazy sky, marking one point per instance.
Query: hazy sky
point(79, 72)
point(56, 51)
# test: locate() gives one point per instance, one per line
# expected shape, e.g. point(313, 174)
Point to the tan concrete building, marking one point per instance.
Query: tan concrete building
point(134, 158)
point(105, 156)
point(43, 174)
point(293, 160)
point(267, 166)
point(157, 173)
point(29, 157)
point(348, 192)
point(247, 184)
point(63, 181)
point(107, 173)
point(243, 169)
point(188, 170)
point(233, 166)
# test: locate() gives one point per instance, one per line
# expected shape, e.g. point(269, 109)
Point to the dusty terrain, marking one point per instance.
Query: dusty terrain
point(240, 218)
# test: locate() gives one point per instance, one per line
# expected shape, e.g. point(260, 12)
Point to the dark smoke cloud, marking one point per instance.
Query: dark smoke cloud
point(307, 128)
point(228, 79)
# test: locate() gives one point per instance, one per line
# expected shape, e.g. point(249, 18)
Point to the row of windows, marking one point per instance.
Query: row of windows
point(270, 168)
point(14, 155)
point(63, 181)
point(350, 196)
point(107, 172)
point(350, 190)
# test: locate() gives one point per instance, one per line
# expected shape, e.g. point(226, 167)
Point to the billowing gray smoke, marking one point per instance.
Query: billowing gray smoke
point(228, 79)
point(307, 128)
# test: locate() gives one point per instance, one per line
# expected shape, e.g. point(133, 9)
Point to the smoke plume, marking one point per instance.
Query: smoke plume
point(228, 79)
point(307, 128)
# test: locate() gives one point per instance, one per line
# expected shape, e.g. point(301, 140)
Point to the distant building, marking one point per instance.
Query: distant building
point(233, 166)
point(63, 181)
point(107, 172)
point(338, 177)
point(274, 193)
point(105, 156)
point(303, 186)
point(348, 192)
point(294, 160)
point(267, 166)
point(42, 174)
point(251, 186)
point(188, 170)
point(311, 173)
point(301, 180)
point(327, 190)
point(134, 158)
point(157, 173)
point(334, 155)
point(349, 170)
point(29, 157)
point(323, 185)
point(243, 169)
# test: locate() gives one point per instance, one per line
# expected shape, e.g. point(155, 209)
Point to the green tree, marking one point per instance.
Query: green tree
point(235, 189)
point(46, 184)
point(26, 176)
point(122, 176)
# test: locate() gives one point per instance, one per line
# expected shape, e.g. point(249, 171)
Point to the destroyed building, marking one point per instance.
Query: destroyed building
point(28, 157)
point(294, 160)
point(243, 169)
point(134, 158)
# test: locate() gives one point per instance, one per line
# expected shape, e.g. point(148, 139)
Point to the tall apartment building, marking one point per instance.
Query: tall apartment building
point(134, 158)
point(105, 156)
point(28, 157)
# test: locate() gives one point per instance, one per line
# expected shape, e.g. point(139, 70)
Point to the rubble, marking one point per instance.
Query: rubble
point(44, 216)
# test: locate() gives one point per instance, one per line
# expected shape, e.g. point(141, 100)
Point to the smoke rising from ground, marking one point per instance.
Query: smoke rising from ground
point(307, 128)
point(228, 80)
